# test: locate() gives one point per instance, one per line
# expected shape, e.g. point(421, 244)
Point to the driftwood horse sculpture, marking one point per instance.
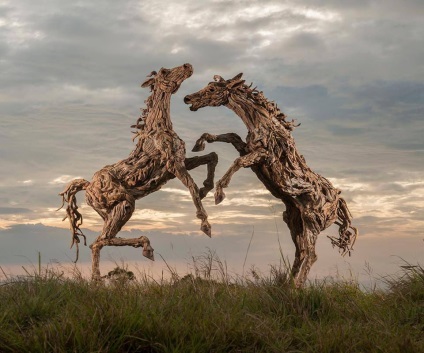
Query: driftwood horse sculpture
point(312, 203)
point(158, 157)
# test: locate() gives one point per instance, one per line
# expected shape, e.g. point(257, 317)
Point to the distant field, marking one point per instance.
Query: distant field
point(47, 312)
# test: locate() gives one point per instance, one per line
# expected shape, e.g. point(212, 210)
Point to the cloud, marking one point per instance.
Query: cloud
point(63, 179)
point(14, 210)
point(348, 71)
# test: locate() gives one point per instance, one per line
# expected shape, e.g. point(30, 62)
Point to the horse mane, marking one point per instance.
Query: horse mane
point(141, 121)
point(140, 124)
point(271, 107)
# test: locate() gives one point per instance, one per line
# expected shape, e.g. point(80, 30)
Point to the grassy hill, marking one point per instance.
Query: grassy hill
point(50, 313)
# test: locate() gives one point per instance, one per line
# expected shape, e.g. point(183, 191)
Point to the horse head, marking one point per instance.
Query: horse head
point(216, 93)
point(168, 80)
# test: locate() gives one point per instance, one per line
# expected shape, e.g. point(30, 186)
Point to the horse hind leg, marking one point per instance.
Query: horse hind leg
point(211, 160)
point(304, 240)
point(114, 221)
point(304, 259)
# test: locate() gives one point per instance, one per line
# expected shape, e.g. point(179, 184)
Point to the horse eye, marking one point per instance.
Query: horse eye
point(211, 89)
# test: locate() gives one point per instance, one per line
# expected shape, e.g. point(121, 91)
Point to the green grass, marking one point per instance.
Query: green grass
point(47, 312)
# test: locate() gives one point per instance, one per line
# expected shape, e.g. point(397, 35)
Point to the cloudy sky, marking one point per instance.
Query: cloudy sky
point(352, 72)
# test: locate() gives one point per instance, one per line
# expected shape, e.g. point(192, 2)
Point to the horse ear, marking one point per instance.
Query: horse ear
point(235, 84)
point(218, 78)
point(148, 82)
point(237, 77)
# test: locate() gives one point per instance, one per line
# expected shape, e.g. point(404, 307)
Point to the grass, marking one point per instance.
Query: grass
point(210, 312)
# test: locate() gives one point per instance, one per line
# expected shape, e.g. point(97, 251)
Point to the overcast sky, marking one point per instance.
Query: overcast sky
point(352, 72)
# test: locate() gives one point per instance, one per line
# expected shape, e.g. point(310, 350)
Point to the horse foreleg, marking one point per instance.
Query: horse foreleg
point(180, 171)
point(242, 162)
point(211, 160)
point(230, 137)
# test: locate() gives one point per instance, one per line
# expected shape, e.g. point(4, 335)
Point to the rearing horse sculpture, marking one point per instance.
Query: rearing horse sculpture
point(312, 203)
point(158, 157)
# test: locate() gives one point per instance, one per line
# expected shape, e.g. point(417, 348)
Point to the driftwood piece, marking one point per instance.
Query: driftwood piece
point(312, 202)
point(158, 157)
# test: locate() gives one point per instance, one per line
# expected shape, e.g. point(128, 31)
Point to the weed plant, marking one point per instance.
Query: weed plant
point(210, 311)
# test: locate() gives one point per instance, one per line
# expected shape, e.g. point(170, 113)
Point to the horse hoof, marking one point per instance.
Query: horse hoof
point(219, 197)
point(202, 193)
point(199, 146)
point(206, 228)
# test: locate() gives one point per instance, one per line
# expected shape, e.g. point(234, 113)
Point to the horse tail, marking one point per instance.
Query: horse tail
point(75, 218)
point(347, 233)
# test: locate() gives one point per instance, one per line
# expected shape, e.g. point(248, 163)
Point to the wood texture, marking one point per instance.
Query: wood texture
point(312, 202)
point(158, 157)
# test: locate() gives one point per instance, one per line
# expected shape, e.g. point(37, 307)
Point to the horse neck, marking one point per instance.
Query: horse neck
point(259, 122)
point(252, 113)
point(158, 117)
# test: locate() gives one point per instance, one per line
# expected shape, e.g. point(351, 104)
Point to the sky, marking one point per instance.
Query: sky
point(351, 72)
